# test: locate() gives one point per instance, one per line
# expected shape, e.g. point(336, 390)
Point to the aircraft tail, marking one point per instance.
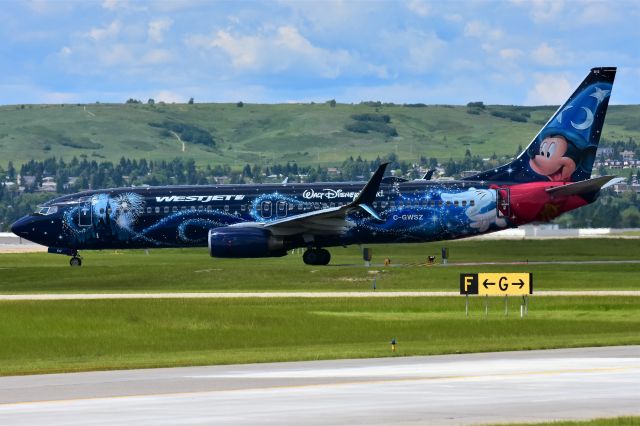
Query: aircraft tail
point(565, 148)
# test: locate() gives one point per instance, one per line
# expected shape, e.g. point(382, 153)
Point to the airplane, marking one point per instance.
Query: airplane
point(550, 177)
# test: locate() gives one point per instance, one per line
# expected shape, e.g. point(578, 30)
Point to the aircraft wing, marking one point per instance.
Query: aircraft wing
point(329, 221)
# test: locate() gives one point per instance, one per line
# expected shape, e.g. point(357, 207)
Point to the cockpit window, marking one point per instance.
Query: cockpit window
point(46, 210)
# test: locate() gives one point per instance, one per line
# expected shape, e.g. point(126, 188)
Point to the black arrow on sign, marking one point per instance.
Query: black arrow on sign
point(520, 283)
point(486, 283)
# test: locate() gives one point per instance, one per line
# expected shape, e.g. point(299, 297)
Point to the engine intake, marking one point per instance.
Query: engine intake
point(244, 242)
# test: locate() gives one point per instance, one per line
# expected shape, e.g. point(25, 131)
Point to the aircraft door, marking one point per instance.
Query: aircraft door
point(265, 209)
point(503, 202)
point(85, 211)
point(281, 209)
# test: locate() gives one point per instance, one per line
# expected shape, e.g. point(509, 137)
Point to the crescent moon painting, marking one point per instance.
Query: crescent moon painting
point(587, 122)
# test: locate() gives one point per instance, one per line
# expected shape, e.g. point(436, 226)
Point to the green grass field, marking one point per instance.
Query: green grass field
point(193, 269)
point(305, 133)
point(51, 336)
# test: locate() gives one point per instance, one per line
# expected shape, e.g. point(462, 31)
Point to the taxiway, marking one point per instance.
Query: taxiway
point(453, 389)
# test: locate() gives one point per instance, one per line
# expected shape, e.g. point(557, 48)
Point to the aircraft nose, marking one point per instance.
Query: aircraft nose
point(22, 227)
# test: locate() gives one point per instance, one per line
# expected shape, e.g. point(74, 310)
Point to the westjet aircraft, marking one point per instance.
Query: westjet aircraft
point(551, 176)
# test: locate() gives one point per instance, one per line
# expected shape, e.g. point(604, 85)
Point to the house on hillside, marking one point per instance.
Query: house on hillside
point(48, 185)
point(628, 155)
point(604, 153)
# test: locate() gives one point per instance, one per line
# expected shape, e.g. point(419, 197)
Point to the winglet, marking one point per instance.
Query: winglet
point(368, 194)
point(428, 175)
point(371, 211)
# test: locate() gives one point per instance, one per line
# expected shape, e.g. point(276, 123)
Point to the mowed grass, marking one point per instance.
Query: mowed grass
point(169, 270)
point(56, 336)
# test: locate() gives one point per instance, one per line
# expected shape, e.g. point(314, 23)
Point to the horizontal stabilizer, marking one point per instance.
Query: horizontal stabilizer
point(583, 187)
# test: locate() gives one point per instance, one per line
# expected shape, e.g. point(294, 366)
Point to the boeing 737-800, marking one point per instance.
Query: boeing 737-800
point(551, 176)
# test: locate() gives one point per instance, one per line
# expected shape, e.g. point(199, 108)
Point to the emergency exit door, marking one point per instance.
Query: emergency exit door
point(85, 212)
point(503, 202)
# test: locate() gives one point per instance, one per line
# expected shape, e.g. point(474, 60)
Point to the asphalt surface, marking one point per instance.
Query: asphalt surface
point(455, 389)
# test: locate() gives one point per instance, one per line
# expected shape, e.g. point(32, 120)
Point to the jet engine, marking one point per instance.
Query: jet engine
point(244, 242)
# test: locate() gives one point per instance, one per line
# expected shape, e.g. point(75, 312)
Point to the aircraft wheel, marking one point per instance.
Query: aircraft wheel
point(316, 257)
point(310, 257)
point(325, 257)
point(75, 261)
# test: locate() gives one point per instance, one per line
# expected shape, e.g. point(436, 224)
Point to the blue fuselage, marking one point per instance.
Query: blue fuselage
point(181, 216)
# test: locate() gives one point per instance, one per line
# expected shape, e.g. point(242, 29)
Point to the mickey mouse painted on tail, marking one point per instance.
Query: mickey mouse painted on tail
point(564, 150)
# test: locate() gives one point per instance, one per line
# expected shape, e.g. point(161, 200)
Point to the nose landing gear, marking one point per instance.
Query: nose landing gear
point(316, 256)
point(76, 259)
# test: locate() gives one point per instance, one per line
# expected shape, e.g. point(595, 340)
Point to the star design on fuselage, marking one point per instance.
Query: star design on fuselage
point(600, 94)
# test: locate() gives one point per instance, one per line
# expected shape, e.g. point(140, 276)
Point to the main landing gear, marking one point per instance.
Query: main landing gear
point(316, 256)
point(75, 261)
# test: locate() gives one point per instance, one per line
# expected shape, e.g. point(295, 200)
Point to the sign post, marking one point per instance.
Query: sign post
point(497, 284)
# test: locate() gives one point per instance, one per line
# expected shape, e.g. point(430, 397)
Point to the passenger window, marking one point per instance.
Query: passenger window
point(193, 208)
point(174, 209)
point(200, 208)
point(243, 207)
point(464, 203)
point(101, 211)
point(472, 203)
point(157, 209)
point(166, 209)
point(448, 203)
point(455, 203)
point(226, 208)
point(183, 208)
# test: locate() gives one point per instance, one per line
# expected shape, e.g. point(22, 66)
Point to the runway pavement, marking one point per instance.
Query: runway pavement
point(454, 389)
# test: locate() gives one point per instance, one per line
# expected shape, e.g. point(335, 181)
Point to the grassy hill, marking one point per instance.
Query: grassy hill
point(305, 133)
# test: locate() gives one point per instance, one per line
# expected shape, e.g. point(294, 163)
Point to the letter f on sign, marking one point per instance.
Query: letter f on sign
point(468, 280)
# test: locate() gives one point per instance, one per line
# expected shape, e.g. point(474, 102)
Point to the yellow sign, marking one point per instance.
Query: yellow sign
point(497, 284)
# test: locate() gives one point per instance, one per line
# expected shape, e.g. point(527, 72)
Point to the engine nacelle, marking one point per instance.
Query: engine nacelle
point(244, 242)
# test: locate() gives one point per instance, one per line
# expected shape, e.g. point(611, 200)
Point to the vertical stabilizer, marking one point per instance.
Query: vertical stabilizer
point(564, 150)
